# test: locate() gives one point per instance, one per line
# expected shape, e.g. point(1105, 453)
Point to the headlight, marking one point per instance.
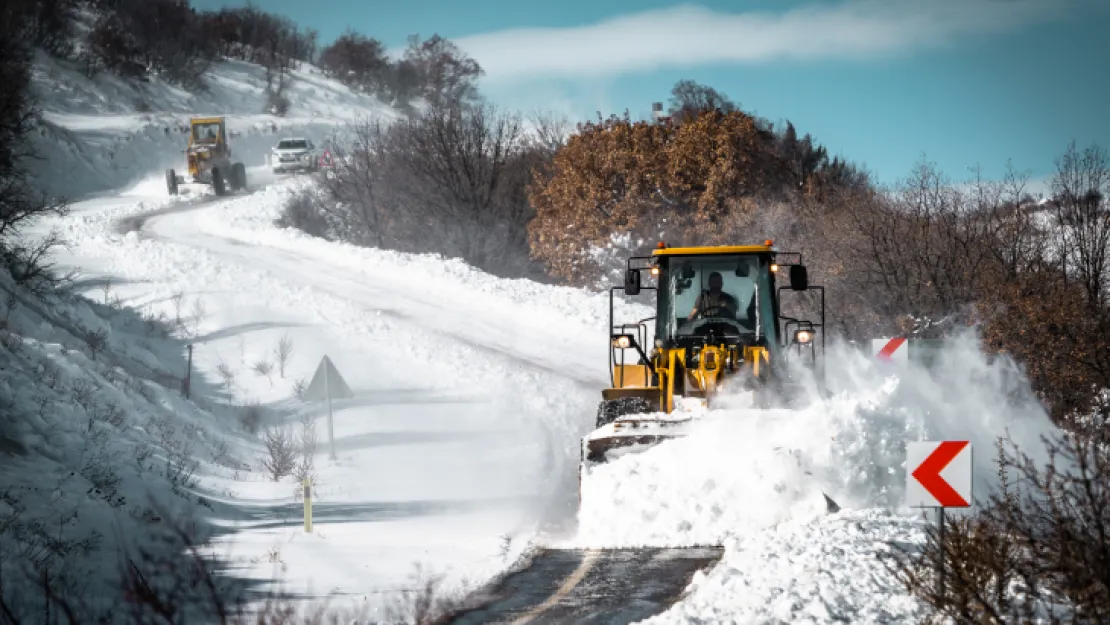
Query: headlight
point(803, 336)
point(622, 341)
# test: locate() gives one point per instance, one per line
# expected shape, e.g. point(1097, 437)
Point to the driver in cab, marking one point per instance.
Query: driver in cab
point(714, 302)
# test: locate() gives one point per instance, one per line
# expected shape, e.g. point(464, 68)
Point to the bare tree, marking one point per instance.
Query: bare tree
point(550, 130)
point(1018, 241)
point(461, 163)
point(354, 207)
point(925, 245)
point(283, 353)
point(448, 75)
point(689, 99)
point(356, 60)
point(1081, 205)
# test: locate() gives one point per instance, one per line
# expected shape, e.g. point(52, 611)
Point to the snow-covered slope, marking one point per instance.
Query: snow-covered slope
point(103, 133)
point(97, 442)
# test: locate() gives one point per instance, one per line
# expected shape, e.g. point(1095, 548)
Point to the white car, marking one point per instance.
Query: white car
point(294, 154)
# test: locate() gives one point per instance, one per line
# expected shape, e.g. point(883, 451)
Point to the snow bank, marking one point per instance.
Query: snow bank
point(105, 133)
point(820, 570)
point(754, 481)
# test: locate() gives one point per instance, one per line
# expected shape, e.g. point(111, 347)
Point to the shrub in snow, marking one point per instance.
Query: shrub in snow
point(250, 416)
point(1038, 551)
point(281, 449)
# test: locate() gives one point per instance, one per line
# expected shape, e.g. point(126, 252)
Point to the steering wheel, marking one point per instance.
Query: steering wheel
point(702, 323)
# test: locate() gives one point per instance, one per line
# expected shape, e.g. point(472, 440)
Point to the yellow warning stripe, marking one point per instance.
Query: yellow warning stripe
point(572, 581)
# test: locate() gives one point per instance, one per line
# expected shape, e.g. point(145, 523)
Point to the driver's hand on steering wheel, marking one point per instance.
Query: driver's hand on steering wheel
point(716, 311)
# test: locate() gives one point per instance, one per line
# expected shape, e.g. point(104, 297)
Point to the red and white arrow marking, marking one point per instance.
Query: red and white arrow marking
point(890, 350)
point(938, 474)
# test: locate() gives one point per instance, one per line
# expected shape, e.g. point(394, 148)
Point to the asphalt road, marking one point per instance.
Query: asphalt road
point(610, 586)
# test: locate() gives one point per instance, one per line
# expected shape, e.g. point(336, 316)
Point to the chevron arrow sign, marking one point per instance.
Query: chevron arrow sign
point(938, 474)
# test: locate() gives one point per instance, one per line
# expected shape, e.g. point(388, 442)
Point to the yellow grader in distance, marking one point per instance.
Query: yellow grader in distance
point(208, 158)
point(718, 321)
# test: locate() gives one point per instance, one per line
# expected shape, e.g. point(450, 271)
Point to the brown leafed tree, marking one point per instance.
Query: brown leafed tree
point(620, 176)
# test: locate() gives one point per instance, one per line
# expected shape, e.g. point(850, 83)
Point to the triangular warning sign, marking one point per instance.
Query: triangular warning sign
point(327, 382)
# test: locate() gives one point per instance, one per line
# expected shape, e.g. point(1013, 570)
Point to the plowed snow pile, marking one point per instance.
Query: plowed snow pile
point(753, 481)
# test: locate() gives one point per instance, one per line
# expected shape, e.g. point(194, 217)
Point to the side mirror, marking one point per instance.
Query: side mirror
point(799, 278)
point(632, 282)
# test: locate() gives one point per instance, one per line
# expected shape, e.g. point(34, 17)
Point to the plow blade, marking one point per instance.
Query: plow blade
point(589, 586)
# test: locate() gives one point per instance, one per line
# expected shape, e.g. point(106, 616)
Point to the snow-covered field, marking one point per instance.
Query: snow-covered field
point(469, 393)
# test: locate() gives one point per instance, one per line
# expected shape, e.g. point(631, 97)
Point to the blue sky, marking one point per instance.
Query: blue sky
point(881, 82)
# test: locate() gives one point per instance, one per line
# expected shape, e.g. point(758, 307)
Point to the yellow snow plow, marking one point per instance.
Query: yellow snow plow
point(718, 324)
point(208, 159)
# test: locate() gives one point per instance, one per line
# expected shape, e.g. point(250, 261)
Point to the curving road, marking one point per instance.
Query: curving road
point(554, 586)
point(500, 339)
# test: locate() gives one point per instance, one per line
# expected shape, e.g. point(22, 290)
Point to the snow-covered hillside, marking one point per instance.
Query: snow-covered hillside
point(439, 461)
point(99, 445)
point(470, 393)
point(103, 133)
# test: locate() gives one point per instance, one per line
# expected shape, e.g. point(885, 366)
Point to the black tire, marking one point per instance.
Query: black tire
point(171, 181)
point(610, 410)
point(239, 172)
point(218, 182)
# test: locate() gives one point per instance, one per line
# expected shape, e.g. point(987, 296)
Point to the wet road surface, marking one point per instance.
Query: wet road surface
point(592, 586)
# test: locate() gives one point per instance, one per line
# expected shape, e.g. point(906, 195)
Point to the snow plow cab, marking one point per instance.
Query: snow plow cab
point(718, 324)
point(208, 159)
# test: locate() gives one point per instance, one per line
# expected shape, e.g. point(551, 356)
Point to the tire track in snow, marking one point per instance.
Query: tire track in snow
point(332, 282)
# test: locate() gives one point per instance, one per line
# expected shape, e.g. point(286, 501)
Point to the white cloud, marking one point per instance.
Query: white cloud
point(689, 35)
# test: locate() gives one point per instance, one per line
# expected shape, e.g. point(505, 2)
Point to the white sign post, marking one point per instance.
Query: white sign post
point(939, 476)
point(326, 384)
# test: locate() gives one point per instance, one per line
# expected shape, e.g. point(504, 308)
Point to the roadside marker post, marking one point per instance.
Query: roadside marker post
point(926, 487)
point(307, 505)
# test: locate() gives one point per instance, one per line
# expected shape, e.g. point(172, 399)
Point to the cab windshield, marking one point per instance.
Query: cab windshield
point(206, 133)
point(725, 295)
